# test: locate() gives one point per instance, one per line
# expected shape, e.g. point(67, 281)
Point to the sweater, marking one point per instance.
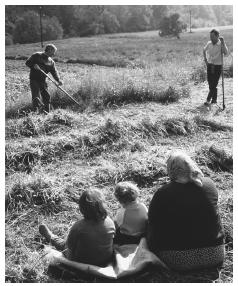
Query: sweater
point(45, 63)
point(91, 241)
point(184, 216)
point(132, 220)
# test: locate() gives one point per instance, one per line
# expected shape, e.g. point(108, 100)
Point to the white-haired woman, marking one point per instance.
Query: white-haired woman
point(184, 228)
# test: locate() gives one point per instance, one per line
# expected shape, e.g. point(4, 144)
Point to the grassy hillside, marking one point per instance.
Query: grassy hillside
point(131, 116)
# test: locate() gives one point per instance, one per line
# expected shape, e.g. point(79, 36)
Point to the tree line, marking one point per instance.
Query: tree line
point(22, 22)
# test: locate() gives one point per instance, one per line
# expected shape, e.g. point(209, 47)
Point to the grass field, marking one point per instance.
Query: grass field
point(141, 96)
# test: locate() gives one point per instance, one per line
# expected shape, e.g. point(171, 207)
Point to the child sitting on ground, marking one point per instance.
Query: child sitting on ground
point(90, 239)
point(131, 219)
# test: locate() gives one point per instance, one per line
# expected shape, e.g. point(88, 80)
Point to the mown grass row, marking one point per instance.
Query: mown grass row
point(110, 136)
point(146, 169)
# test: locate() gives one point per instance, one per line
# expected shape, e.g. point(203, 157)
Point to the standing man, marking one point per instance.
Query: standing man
point(42, 61)
point(213, 54)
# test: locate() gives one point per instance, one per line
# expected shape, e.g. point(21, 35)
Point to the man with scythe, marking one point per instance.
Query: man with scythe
point(38, 62)
point(213, 57)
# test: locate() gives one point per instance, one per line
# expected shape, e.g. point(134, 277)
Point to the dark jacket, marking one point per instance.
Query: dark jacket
point(184, 216)
point(45, 63)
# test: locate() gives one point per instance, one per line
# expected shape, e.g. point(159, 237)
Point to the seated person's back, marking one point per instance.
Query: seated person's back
point(91, 241)
point(131, 219)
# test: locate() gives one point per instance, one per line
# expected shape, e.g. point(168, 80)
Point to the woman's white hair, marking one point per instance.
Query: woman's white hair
point(181, 168)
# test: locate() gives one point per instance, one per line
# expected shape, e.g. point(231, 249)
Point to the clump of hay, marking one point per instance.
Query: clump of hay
point(143, 171)
point(21, 161)
point(35, 125)
point(179, 126)
point(216, 158)
point(211, 124)
point(109, 132)
point(150, 128)
point(37, 193)
point(199, 74)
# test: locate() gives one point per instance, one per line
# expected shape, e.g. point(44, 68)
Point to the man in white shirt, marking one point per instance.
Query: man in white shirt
point(213, 53)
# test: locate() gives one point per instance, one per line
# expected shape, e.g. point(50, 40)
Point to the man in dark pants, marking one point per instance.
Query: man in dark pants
point(43, 61)
point(213, 53)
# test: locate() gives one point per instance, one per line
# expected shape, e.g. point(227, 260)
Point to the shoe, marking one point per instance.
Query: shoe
point(207, 103)
point(44, 231)
point(214, 102)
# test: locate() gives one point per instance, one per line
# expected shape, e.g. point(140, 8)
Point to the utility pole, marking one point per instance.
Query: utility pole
point(190, 20)
point(41, 36)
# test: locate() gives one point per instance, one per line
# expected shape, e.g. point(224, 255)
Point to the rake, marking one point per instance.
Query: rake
point(59, 87)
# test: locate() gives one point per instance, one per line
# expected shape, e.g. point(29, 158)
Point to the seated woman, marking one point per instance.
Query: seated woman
point(184, 228)
point(90, 240)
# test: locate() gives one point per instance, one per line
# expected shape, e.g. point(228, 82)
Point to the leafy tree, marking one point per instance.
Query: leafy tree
point(27, 28)
point(122, 14)
point(52, 30)
point(110, 22)
point(8, 39)
point(171, 26)
point(86, 20)
point(159, 11)
point(139, 19)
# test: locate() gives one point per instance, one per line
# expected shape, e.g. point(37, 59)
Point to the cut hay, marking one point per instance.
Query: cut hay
point(216, 158)
point(144, 171)
point(35, 125)
point(179, 126)
point(211, 124)
point(36, 193)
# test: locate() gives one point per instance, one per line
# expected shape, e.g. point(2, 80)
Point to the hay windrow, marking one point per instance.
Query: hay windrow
point(35, 125)
point(36, 193)
point(110, 135)
point(215, 157)
point(143, 170)
point(211, 124)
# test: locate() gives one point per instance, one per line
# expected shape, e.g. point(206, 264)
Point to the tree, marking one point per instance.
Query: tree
point(139, 19)
point(110, 22)
point(87, 20)
point(52, 30)
point(159, 11)
point(171, 26)
point(27, 28)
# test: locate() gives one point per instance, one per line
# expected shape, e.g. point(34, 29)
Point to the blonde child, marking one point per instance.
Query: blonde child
point(131, 218)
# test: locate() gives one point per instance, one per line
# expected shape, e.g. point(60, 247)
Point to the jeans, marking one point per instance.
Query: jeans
point(39, 89)
point(213, 75)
